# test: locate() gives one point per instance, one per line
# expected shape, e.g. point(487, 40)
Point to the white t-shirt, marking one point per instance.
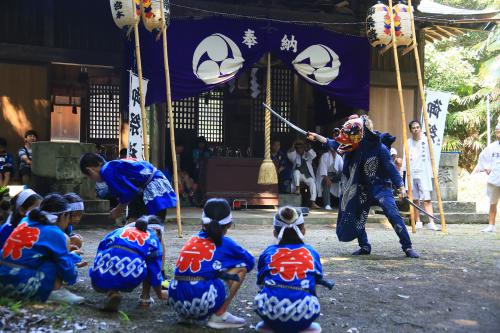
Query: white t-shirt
point(420, 163)
point(490, 159)
point(419, 157)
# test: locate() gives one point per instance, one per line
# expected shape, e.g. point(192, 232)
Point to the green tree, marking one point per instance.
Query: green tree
point(468, 67)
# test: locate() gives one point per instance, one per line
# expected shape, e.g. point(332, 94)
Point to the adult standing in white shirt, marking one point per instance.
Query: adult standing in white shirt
point(328, 176)
point(301, 156)
point(489, 162)
point(421, 173)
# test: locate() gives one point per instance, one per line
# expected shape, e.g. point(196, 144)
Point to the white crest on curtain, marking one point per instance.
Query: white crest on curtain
point(217, 59)
point(318, 64)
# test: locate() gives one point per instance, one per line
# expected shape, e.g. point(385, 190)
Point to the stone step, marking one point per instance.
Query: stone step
point(293, 200)
point(91, 220)
point(460, 218)
point(328, 219)
point(456, 206)
point(97, 206)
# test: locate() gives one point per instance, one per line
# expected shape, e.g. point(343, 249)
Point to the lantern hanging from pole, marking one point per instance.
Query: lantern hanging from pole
point(378, 25)
point(152, 16)
point(126, 13)
point(402, 24)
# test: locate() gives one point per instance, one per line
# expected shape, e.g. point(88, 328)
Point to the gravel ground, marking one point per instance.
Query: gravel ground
point(454, 287)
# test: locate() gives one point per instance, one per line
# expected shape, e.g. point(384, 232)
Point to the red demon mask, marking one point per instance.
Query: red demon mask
point(350, 135)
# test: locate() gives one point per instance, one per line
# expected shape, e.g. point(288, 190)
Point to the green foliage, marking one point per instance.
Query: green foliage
point(12, 305)
point(468, 67)
point(123, 316)
point(469, 4)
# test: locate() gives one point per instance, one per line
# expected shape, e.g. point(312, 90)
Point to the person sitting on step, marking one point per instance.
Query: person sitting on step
point(301, 156)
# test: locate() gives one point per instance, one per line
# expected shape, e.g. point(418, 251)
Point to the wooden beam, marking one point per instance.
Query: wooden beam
point(342, 4)
point(444, 32)
point(434, 34)
point(385, 49)
point(408, 49)
point(40, 54)
point(429, 39)
point(453, 30)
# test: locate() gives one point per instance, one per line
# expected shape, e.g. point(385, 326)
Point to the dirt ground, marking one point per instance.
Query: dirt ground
point(454, 287)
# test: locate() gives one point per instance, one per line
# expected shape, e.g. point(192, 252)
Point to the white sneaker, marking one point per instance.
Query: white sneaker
point(63, 295)
point(328, 207)
point(419, 225)
point(227, 320)
point(489, 228)
point(314, 328)
point(432, 226)
point(262, 328)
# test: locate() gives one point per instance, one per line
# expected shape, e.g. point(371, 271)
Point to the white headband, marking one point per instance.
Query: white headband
point(206, 220)
point(76, 206)
point(283, 225)
point(156, 227)
point(23, 196)
point(53, 216)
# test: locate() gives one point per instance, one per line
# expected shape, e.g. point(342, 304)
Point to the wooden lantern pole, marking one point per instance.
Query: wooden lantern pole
point(403, 116)
point(171, 122)
point(141, 89)
point(267, 172)
point(426, 120)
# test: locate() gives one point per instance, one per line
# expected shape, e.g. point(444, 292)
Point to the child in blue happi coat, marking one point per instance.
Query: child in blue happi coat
point(127, 257)
point(76, 213)
point(36, 259)
point(129, 180)
point(288, 273)
point(20, 205)
point(197, 291)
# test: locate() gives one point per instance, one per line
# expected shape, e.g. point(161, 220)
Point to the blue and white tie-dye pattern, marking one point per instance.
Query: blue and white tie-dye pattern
point(125, 258)
point(287, 302)
point(128, 178)
point(32, 257)
point(201, 260)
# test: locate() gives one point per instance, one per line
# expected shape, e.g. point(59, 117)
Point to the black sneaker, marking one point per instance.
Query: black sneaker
point(411, 253)
point(364, 250)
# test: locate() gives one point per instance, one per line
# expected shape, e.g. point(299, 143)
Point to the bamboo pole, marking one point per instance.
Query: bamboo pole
point(267, 172)
point(403, 117)
point(171, 123)
point(141, 89)
point(426, 121)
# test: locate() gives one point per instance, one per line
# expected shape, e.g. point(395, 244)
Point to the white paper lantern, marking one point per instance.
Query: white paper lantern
point(378, 25)
point(402, 24)
point(125, 13)
point(151, 14)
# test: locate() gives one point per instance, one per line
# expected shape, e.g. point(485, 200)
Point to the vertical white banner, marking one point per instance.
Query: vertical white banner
point(437, 109)
point(135, 147)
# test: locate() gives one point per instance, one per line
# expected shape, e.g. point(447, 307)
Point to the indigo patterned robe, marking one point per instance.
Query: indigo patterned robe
point(367, 177)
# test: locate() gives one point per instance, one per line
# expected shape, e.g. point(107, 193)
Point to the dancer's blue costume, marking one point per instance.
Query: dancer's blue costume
point(32, 257)
point(5, 230)
point(196, 292)
point(367, 177)
point(125, 258)
point(287, 302)
point(127, 178)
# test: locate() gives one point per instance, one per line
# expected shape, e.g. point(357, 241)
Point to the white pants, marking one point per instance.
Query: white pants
point(310, 182)
point(493, 193)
